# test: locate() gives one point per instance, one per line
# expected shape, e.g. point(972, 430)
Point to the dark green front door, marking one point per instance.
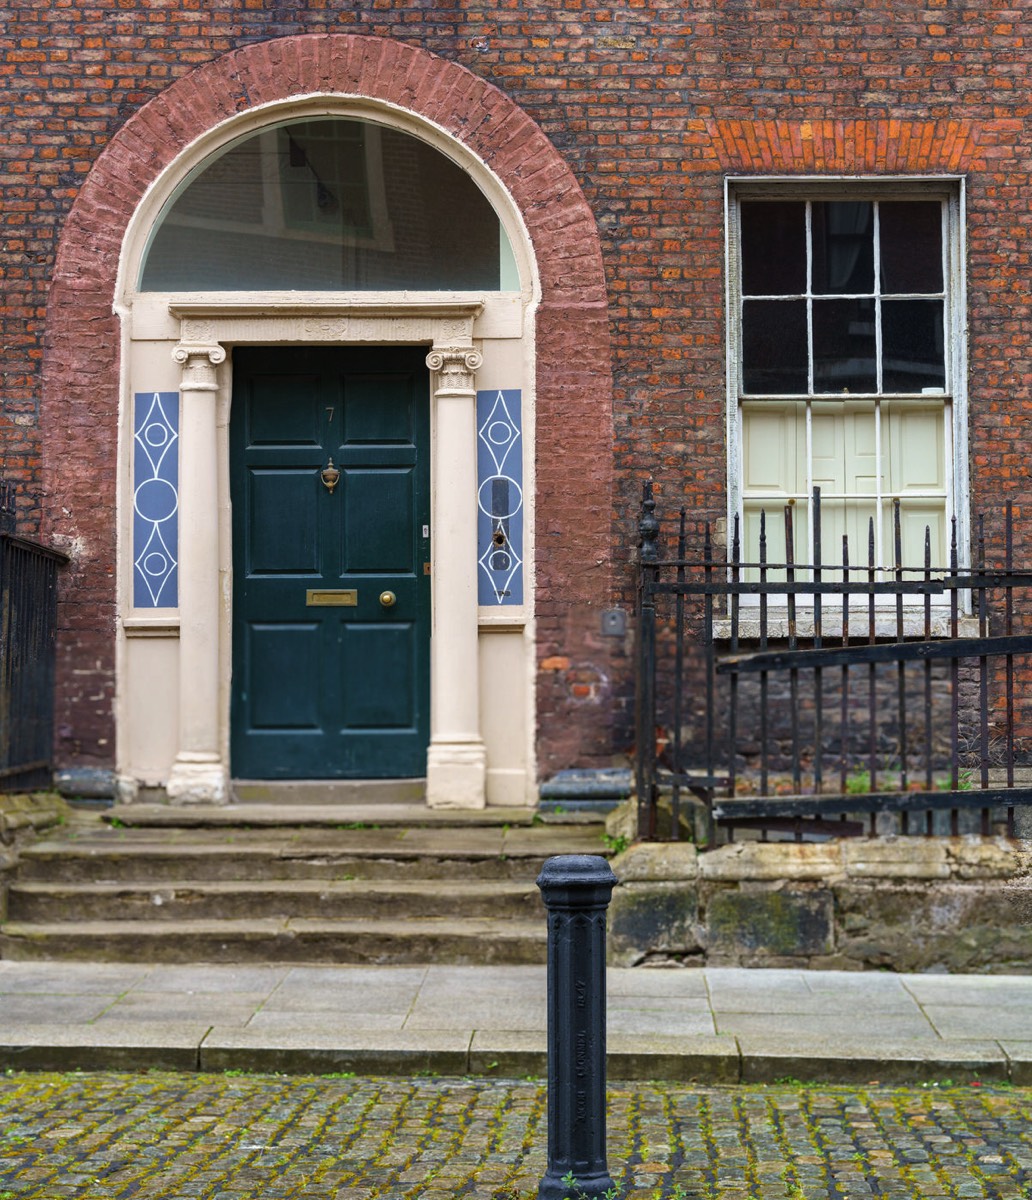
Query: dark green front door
point(331, 588)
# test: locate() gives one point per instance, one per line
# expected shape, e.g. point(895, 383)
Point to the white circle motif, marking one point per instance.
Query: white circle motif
point(156, 500)
point(484, 497)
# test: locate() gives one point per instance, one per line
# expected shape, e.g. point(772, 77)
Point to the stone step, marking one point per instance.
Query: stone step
point(363, 852)
point(309, 883)
point(476, 940)
point(266, 815)
point(46, 902)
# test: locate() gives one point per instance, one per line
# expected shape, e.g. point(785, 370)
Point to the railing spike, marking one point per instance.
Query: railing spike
point(648, 526)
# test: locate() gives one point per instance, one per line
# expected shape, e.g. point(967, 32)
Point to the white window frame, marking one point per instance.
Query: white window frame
point(947, 188)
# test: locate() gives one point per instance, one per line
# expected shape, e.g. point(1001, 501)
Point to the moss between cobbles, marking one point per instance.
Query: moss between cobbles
point(209, 1137)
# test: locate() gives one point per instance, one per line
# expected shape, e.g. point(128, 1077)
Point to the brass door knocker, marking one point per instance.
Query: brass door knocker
point(330, 476)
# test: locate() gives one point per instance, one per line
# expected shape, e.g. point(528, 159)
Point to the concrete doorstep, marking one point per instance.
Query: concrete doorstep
point(713, 1026)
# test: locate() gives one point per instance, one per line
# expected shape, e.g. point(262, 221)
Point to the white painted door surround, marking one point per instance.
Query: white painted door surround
point(456, 768)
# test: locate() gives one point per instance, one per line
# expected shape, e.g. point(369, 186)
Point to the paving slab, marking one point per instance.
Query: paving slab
point(304, 977)
point(478, 1012)
point(870, 1026)
point(69, 978)
point(825, 1025)
point(951, 1021)
point(815, 1003)
point(326, 1020)
point(671, 983)
point(158, 1008)
point(994, 991)
point(42, 1008)
point(650, 1022)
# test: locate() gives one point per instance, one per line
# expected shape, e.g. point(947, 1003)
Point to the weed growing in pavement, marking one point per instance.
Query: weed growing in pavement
point(569, 1180)
point(615, 844)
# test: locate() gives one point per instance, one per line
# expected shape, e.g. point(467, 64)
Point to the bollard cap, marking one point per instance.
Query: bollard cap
point(576, 881)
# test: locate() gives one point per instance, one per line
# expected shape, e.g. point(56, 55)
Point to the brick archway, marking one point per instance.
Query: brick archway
point(81, 372)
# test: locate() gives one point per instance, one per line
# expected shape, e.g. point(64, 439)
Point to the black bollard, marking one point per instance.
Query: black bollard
point(576, 889)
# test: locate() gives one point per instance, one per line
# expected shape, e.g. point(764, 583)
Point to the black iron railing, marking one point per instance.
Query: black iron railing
point(28, 612)
point(820, 699)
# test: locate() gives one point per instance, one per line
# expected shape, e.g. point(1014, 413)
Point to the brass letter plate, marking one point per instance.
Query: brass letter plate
point(331, 598)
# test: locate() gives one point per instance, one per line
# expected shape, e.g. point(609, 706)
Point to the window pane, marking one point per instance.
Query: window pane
point(843, 247)
point(328, 205)
point(773, 248)
point(774, 347)
point(911, 246)
point(912, 345)
point(844, 346)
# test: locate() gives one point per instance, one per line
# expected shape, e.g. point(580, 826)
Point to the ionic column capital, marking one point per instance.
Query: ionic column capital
point(199, 361)
point(456, 367)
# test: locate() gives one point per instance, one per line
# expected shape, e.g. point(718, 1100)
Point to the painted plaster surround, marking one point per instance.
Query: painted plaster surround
point(208, 328)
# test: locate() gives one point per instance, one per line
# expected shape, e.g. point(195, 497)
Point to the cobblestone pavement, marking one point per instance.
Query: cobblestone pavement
point(146, 1136)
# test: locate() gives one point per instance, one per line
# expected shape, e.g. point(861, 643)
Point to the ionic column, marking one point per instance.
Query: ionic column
point(199, 774)
point(456, 762)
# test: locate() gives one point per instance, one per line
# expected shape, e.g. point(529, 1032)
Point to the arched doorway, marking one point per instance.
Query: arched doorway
point(175, 350)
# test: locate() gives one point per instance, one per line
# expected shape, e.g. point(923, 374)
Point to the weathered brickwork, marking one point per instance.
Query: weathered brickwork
point(648, 107)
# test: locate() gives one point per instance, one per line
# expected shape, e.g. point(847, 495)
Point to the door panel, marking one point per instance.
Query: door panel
point(284, 528)
point(276, 652)
point(328, 682)
point(387, 702)
point(376, 521)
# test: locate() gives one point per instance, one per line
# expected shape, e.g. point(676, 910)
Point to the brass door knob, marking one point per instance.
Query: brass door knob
point(388, 599)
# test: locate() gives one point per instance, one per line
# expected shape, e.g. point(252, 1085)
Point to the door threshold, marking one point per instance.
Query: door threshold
point(328, 791)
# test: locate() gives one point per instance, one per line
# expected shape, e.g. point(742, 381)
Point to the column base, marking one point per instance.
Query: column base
point(456, 775)
point(200, 780)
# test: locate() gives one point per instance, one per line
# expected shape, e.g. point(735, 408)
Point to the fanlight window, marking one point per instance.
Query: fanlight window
point(329, 205)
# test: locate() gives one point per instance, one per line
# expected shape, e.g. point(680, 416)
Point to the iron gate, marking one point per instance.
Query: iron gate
point(831, 699)
point(28, 614)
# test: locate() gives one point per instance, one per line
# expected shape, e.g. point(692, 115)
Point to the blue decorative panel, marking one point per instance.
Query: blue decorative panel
point(156, 500)
point(500, 497)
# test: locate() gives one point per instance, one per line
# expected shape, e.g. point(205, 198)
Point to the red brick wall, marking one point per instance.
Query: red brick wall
point(650, 105)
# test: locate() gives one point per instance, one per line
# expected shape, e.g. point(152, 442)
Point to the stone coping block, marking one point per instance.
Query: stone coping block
point(647, 862)
point(696, 1059)
point(1019, 1059)
point(110, 1046)
point(764, 861)
point(514, 1053)
point(973, 857)
point(369, 1052)
point(895, 858)
point(966, 857)
point(769, 1058)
